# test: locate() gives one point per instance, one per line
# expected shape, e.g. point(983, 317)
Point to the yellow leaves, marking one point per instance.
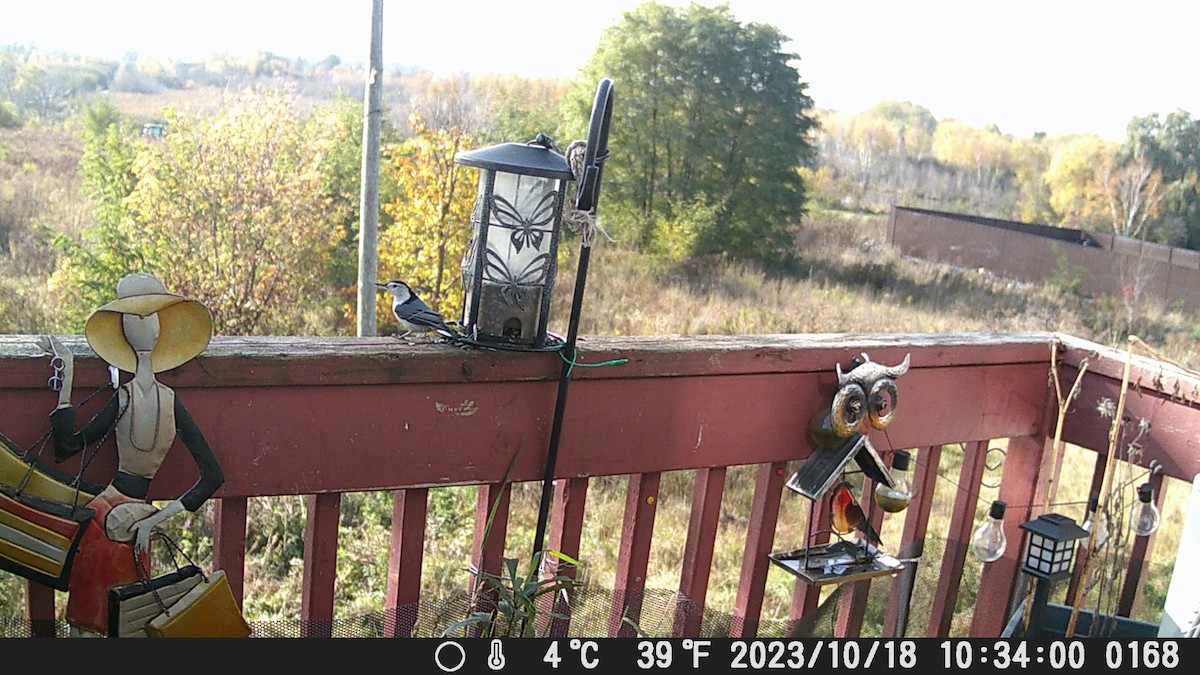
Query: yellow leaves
point(1076, 179)
point(425, 244)
point(961, 145)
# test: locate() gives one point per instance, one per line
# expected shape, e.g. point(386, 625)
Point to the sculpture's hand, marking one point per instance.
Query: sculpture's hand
point(143, 529)
point(63, 362)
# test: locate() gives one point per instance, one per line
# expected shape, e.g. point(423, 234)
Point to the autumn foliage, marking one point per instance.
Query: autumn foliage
point(431, 214)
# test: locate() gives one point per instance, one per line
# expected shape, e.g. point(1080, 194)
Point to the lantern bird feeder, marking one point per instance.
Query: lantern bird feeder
point(511, 260)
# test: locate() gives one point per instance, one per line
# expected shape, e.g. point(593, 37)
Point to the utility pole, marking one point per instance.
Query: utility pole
point(368, 205)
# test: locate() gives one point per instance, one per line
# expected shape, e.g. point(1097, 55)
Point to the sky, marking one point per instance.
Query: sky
point(1055, 66)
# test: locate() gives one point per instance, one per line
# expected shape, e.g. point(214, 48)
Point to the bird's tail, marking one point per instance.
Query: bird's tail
point(872, 535)
point(451, 329)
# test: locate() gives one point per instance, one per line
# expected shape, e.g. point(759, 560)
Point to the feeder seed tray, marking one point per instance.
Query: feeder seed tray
point(837, 563)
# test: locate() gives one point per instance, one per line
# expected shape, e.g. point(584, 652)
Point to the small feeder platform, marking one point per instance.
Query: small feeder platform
point(837, 563)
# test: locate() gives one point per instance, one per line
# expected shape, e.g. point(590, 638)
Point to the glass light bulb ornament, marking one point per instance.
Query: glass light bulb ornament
point(988, 541)
point(896, 498)
point(1145, 514)
point(1096, 524)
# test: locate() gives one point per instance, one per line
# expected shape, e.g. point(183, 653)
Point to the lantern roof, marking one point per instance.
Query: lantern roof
point(535, 158)
point(1055, 526)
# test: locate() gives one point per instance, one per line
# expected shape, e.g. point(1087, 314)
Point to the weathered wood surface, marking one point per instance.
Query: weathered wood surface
point(313, 415)
point(1165, 396)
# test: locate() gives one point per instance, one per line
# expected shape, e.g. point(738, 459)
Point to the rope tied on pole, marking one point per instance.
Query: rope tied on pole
point(582, 221)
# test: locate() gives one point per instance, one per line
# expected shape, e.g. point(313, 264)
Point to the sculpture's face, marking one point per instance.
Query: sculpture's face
point(866, 397)
point(140, 331)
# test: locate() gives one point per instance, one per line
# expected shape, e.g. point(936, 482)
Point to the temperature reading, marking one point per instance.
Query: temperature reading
point(585, 648)
point(660, 653)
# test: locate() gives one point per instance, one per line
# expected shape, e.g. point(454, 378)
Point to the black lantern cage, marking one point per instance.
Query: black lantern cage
point(511, 259)
point(1050, 546)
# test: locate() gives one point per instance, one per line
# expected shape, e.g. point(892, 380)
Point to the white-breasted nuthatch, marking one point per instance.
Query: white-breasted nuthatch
point(412, 313)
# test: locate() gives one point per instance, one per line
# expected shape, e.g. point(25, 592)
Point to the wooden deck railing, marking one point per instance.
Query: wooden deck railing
point(320, 417)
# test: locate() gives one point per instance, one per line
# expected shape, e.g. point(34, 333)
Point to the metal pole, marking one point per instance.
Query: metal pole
point(1041, 596)
point(368, 205)
point(587, 196)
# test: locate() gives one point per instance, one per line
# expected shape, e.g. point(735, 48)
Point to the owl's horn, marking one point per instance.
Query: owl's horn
point(896, 371)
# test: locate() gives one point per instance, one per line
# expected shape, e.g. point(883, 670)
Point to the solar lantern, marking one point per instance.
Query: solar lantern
point(1049, 548)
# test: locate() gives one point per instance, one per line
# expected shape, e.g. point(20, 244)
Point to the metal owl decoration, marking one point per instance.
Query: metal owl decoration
point(866, 396)
point(865, 399)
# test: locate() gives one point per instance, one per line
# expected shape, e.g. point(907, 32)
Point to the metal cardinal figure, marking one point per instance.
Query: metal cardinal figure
point(846, 515)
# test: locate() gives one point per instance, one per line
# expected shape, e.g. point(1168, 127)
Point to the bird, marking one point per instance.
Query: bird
point(413, 315)
point(846, 515)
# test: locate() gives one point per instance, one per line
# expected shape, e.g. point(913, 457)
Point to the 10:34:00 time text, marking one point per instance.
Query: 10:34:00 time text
point(966, 654)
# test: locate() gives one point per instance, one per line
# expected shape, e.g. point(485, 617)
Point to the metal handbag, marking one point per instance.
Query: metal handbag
point(25, 472)
point(132, 606)
point(39, 537)
point(208, 610)
point(41, 520)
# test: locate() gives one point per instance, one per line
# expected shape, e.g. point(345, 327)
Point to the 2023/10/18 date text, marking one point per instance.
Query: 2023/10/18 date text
point(779, 654)
point(1059, 654)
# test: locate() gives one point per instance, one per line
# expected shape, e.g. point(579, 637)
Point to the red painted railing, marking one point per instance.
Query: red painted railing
point(320, 417)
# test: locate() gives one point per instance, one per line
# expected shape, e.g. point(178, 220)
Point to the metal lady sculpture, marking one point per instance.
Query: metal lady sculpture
point(146, 330)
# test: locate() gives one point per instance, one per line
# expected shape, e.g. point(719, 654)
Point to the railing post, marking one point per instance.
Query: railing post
point(320, 564)
point(1139, 555)
point(566, 533)
point(637, 531)
point(698, 550)
point(229, 543)
point(912, 542)
point(405, 555)
point(764, 514)
point(487, 544)
point(1018, 487)
point(39, 609)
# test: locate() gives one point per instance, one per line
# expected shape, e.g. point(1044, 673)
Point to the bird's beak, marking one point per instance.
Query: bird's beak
point(381, 285)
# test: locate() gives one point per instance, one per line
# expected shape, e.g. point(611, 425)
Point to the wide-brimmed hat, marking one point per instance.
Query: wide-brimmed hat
point(185, 326)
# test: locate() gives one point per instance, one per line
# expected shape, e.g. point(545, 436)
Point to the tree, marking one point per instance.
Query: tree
point(89, 267)
point(1172, 147)
point(708, 113)
point(425, 244)
point(909, 126)
point(1030, 158)
point(234, 212)
point(1134, 192)
point(1075, 178)
point(985, 152)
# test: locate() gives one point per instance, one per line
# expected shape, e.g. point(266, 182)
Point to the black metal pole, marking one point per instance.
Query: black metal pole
point(586, 198)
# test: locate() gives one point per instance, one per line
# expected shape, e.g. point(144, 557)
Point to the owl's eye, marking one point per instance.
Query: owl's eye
point(849, 410)
point(882, 407)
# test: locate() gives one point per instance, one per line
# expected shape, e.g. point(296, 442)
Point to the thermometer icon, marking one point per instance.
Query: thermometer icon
point(496, 657)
